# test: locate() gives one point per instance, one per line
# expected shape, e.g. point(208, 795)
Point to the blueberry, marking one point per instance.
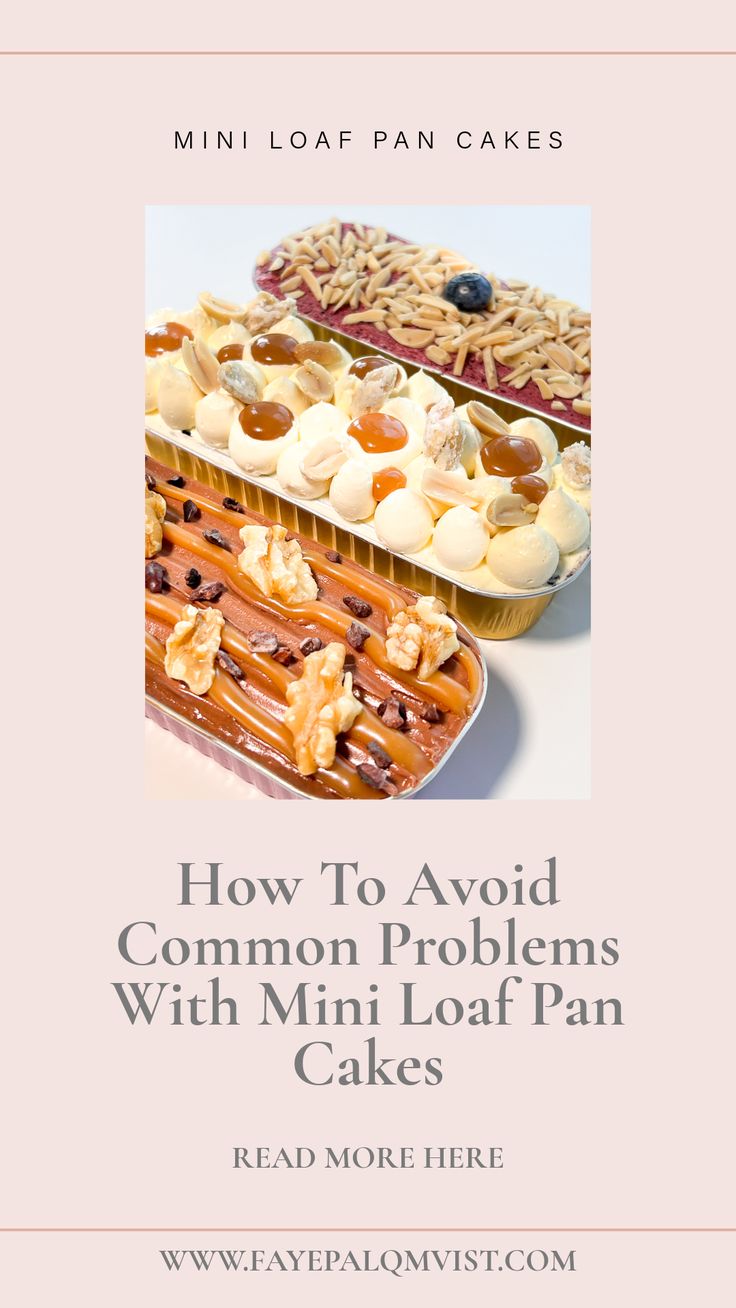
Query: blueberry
point(469, 292)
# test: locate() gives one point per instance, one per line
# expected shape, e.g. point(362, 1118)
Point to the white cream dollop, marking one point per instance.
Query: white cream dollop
point(524, 557)
point(460, 539)
point(284, 390)
point(290, 474)
point(154, 368)
point(490, 488)
point(414, 420)
point(533, 429)
point(321, 419)
point(228, 333)
point(178, 396)
point(258, 457)
point(293, 327)
point(213, 418)
point(414, 473)
point(404, 521)
point(564, 519)
point(424, 390)
point(351, 491)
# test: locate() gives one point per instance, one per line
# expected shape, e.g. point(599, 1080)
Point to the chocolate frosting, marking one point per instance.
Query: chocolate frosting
point(435, 711)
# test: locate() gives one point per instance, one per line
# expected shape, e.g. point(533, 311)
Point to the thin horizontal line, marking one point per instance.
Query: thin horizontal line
point(371, 1230)
point(390, 54)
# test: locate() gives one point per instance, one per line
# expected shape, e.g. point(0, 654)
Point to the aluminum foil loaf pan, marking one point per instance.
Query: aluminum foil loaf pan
point(296, 518)
point(490, 615)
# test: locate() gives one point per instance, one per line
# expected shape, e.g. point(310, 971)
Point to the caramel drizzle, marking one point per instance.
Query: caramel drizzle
point(447, 692)
point(368, 727)
point(224, 691)
point(369, 588)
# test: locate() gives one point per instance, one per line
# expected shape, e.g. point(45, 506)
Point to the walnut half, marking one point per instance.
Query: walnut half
point(421, 637)
point(276, 565)
point(321, 705)
point(155, 514)
point(192, 647)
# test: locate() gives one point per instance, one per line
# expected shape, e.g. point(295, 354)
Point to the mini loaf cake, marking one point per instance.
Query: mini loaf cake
point(432, 308)
point(493, 505)
point(338, 682)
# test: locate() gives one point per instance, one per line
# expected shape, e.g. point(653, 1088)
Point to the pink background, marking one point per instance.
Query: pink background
point(106, 1126)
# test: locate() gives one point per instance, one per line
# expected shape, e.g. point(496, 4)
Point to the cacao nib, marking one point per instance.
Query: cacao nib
point(430, 713)
point(175, 481)
point(233, 505)
point(333, 556)
point(210, 592)
point(229, 665)
point(264, 642)
point(157, 578)
point(193, 578)
point(372, 776)
point(150, 481)
point(192, 511)
point(393, 712)
point(360, 607)
point(310, 645)
point(186, 431)
point(356, 635)
point(383, 759)
point(216, 537)
point(284, 655)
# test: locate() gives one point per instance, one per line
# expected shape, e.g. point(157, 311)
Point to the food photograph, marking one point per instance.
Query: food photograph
point(368, 443)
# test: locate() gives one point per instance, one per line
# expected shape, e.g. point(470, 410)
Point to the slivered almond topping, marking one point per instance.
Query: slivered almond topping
point(398, 288)
point(489, 364)
point(413, 338)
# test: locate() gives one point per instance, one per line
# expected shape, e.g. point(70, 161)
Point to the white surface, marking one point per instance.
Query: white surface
point(532, 740)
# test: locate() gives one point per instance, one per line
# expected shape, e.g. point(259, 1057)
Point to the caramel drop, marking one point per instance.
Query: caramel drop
point(264, 421)
point(165, 338)
point(231, 352)
point(386, 481)
point(532, 488)
point(274, 350)
point(510, 456)
point(378, 433)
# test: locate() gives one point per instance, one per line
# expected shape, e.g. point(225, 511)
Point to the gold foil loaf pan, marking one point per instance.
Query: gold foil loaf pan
point(485, 614)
